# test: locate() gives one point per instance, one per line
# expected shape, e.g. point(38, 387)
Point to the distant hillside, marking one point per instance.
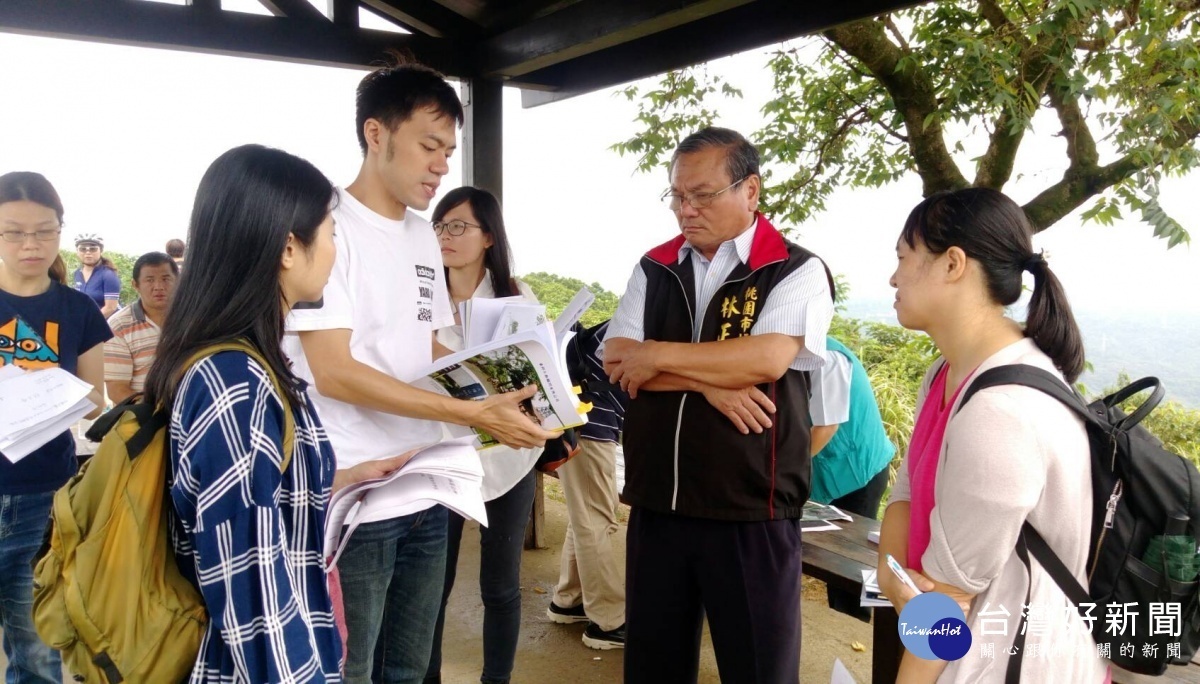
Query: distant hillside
point(1137, 343)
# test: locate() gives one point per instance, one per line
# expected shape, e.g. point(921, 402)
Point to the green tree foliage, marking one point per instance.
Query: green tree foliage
point(122, 262)
point(895, 360)
point(866, 102)
point(1176, 425)
point(555, 292)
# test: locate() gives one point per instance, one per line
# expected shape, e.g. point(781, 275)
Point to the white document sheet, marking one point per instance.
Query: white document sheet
point(449, 473)
point(37, 406)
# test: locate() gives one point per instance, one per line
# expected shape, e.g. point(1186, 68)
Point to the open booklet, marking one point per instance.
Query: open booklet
point(524, 349)
point(37, 406)
point(448, 473)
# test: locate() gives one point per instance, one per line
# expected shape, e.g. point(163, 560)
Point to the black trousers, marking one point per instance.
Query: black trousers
point(745, 577)
point(863, 501)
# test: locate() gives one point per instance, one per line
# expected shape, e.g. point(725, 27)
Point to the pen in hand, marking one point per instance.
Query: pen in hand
point(899, 572)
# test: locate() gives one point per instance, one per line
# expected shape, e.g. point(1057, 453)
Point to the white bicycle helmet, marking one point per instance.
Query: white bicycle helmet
point(86, 238)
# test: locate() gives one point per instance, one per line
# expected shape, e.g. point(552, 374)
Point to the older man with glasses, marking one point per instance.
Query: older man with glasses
point(714, 339)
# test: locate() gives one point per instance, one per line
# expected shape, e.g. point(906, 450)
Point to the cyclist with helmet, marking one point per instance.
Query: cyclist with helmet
point(96, 276)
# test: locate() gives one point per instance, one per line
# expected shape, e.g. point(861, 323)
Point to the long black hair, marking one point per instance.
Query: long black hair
point(33, 187)
point(485, 206)
point(994, 231)
point(248, 202)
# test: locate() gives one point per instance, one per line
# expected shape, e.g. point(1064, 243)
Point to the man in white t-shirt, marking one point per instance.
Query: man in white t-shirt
point(374, 327)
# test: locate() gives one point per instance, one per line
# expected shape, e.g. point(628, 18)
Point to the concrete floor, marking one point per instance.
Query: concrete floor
point(550, 653)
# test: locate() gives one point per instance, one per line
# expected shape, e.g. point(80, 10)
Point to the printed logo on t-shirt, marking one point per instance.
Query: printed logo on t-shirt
point(22, 347)
point(425, 277)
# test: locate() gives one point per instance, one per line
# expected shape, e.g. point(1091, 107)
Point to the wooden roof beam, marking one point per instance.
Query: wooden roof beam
point(588, 27)
point(427, 16)
point(200, 29)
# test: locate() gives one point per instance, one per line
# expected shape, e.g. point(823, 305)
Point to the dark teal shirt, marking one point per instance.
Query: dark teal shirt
point(860, 448)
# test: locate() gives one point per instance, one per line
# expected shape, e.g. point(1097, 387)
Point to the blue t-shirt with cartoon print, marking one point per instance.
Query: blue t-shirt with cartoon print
point(49, 330)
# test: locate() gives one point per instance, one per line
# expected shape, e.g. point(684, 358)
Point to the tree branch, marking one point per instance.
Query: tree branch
point(1128, 19)
point(913, 93)
point(995, 167)
point(1081, 144)
point(895, 31)
point(1076, 187)
point(856, 117)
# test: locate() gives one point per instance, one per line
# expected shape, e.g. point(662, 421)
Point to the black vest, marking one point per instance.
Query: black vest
point(682, 455)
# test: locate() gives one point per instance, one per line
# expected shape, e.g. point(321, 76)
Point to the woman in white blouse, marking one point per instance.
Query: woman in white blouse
point(975, 472)
point(475, 252)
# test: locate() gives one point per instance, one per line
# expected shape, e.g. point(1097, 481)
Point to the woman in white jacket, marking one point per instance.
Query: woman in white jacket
point(975, 473)
point(478, 264)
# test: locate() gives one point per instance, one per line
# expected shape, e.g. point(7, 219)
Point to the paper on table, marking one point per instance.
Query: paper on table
point(871, 596)
point(817, 526)
point(815, 511)
point(37, 406)
point(448, 473)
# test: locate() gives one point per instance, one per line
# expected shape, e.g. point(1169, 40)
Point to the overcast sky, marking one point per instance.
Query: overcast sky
point(126, 133)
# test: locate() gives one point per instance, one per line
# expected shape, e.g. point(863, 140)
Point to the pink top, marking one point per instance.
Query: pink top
point(924, 450)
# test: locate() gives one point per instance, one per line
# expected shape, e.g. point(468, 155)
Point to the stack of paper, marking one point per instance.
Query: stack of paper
point(872, 597)
point(448, 473)
point(37, 406)
point(486, 320)
point(819, 517)
point(814, 511)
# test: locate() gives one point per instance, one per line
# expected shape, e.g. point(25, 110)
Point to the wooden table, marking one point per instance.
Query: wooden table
point(838, 559)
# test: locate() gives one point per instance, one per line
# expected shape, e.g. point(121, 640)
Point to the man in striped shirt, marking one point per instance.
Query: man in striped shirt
point(128, 355)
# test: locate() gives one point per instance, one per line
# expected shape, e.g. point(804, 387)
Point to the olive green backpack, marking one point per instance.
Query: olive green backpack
point(108, 593)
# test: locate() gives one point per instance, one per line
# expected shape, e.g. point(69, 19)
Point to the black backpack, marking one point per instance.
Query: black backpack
point(1137, 487)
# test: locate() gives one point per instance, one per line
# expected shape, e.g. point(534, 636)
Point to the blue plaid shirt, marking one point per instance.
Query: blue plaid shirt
point(247, 535)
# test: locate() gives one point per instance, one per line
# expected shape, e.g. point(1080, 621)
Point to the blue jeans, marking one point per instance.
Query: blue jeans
point(23, 520)
point(500, 546)
point(391, 574)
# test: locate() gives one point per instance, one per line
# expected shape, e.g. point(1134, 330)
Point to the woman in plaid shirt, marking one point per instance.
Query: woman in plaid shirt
point(247, 531)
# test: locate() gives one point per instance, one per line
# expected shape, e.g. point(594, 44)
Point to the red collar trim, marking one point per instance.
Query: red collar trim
point(768, 247)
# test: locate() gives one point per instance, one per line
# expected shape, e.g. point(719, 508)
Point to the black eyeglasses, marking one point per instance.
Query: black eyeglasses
point(455, 228)
point(698, 200)
point(42, 235)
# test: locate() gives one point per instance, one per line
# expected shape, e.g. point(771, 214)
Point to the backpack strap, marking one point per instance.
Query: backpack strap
point(244, 346)
point(1029, 540)
point(1147, 406)
point(1036, 378)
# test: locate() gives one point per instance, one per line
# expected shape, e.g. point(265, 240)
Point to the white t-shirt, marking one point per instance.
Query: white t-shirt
point(830, 400)
point(503, 467)
point(388, 288)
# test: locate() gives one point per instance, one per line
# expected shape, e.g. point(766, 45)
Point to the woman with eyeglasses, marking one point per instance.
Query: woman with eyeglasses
point(470, 228)
point(97, 276)
point(43, 324)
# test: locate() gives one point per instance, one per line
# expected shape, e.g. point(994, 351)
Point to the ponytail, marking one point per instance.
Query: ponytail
point(1050, 323)
point(58, 270)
